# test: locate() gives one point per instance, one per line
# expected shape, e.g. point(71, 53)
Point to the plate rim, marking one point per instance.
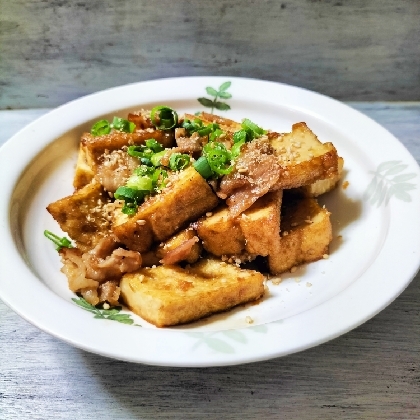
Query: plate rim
point(225, 359)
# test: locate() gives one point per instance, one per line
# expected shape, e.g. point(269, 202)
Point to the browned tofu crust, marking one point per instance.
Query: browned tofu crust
point(221, 233)
point(171, 295)
point(82, 215)
point(253, 232)
point(92, 148)
point(185, 199)
point(302, 157)
point(306, 234)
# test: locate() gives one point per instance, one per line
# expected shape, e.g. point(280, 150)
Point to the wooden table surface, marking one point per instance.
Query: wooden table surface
point(372, 372)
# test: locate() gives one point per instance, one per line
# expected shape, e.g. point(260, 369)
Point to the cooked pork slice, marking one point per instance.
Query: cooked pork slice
point(108, 260)
point(183, 246)
point(256, 172)
point(115, 168)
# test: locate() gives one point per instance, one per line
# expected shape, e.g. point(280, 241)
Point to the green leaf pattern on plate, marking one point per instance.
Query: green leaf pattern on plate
point(226, 341)
point(112, 314)
point(217, 94)
point(388, 181)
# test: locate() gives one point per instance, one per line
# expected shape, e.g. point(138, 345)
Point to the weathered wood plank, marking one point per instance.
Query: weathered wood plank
point(370, 373)
point(53, 51)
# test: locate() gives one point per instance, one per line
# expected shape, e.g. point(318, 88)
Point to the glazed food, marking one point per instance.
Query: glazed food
point(167, 211)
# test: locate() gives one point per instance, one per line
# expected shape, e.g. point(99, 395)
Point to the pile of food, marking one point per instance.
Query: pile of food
point(167, 211)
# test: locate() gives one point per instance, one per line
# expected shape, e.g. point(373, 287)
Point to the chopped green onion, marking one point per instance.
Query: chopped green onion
point(163, 117)
point(146, 152)
point(126, 193)
point(201, 165)
point(60, 242)
point(240, 136)
point(215, 134)
point(131, 198)
point(145, 180)
point(121, 124)
point(218, 157)
point(135, 151)
point(142, 183)
point(154, 145)
point(252, 129)
point(155, 159)
point(159, 179)
point(101, 128)
point(236, 149)
point(144, 170)
point(178, 161)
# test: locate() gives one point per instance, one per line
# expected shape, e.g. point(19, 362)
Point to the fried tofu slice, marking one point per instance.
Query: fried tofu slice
point(82, 215)
point(185, 199)
point(171, 295)
point(92, 148)
point(260, 224)
point(302, 157)
point(322, 186)
point(83, 173)
point(306, 234)
point(253, 232)
point(221, 233)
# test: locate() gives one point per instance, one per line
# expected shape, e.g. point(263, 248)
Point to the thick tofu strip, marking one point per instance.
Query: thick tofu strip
point(185, 199)
point(171, 295)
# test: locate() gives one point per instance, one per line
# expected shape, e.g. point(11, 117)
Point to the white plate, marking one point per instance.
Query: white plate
point(374, 255)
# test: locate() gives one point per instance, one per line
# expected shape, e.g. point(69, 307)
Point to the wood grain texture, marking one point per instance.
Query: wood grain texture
point(53, 51)
point(370, 373)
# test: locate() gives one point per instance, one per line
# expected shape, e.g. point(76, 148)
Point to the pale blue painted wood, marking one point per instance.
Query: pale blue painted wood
point(53, 51)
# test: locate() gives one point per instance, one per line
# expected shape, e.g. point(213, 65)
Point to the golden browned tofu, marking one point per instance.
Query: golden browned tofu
point(93, 148)
point(260, 224)
point(84, 173)
point(171, 295)
point(306, 235)
point(186, 198)
point(221, 233)
point(253, 232)
point(183, 246)
point(302, 157)
point(96, 146)
point(82, 215)
point(322, 186)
